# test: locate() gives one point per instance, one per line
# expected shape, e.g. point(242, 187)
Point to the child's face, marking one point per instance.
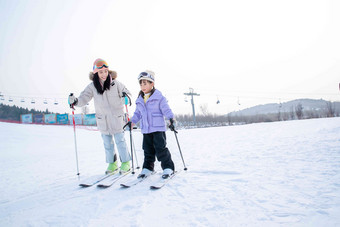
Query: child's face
point(146, 86)
point(103, 73)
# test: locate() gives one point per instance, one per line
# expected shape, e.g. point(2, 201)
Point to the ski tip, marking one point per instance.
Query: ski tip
point(102, 186)
point(84, 185)
point(124, 186)
point(185, 168)
point(154, 187)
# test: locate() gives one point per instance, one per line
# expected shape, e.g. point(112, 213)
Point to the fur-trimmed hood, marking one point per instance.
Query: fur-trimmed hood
point(113, 75)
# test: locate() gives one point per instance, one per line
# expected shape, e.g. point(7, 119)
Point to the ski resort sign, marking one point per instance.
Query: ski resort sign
point(26, 118)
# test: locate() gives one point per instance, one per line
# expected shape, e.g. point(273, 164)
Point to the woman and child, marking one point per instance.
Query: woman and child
point(151, 108)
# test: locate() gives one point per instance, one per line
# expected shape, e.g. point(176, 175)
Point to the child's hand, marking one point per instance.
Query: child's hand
point(172, 126)
point(128, 124)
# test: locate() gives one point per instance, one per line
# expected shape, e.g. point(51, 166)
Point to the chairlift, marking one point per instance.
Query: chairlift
point(218, 101)
point(22, 100)
point(185, 99)
point(10, 99)
point(45, 101)
point(33, 101)
point(2, 98)
point(55, 102)
point(238, 101)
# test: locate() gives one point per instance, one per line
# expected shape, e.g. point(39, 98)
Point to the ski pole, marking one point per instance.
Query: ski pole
point(134, 150)
point(75, 138)
point(180, 151)
point(130, 124)
point(133, 165)
point(128, 100)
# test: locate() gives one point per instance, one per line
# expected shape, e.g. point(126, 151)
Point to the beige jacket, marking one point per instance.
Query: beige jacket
point(109, 106)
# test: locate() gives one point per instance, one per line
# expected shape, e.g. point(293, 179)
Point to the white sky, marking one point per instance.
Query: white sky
point(254, 52)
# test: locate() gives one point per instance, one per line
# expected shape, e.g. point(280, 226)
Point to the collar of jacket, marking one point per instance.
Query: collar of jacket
point(155, 96)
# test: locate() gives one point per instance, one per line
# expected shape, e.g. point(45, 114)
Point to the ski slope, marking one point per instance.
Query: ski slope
point(266, 174)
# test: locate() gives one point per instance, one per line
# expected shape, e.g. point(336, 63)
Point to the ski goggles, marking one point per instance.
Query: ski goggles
point(100, 64)
point(146, 76)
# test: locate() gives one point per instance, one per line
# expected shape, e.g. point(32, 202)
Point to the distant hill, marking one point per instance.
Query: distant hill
point(286, 107)
point(293, 110)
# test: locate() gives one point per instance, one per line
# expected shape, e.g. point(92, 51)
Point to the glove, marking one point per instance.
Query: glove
point(172, 126)
point(129, 124)
point(127, 98)
point(72, 100)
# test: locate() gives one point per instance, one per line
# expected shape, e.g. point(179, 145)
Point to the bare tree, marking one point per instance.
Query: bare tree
point(292, 113)
point(330, 109)
point(204, 110)
point(229, 119)
point(298, 111)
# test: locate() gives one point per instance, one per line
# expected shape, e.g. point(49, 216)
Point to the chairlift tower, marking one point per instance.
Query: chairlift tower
point(192, 94)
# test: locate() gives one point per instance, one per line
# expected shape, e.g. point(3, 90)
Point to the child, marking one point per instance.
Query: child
point(107, 92)
point(151, 107)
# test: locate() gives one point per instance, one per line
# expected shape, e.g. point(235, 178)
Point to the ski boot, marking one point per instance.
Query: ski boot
point(125, 167)
point(167, 173)
point(145, 173)
point(112, 168)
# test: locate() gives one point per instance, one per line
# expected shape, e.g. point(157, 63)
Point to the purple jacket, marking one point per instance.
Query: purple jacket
point(151, 114)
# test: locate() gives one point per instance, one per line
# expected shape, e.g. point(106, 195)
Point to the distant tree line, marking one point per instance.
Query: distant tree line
point(298, 112)
point(207, 119)
point(13, 112)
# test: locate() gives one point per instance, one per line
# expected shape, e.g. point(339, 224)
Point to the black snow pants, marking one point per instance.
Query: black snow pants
point(154, 145)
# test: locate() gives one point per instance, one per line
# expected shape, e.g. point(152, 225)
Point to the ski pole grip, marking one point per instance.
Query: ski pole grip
point(126, 100)
point(71, 105)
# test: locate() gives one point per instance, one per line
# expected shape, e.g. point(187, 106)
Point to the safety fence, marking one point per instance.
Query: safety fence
point(86, 121)
point(59, 119)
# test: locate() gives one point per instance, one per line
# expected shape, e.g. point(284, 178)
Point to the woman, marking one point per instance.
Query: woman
point(107, 94)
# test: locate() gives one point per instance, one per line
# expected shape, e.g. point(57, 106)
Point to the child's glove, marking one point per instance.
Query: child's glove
point(129, 124)
point(172, 126)
point(72, 100)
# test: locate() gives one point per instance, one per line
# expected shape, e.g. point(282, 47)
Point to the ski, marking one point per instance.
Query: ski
point(110, 181)
point(96, 179)
point(159, 184)
point(131, 183)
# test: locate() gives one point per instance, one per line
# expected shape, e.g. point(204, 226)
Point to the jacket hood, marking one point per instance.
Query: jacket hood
point(113, 75)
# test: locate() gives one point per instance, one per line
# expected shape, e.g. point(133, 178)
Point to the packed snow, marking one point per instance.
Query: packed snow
point(265, 174)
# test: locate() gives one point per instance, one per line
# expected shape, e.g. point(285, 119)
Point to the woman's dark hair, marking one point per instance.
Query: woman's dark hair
point(98, 86)
point(141, 93)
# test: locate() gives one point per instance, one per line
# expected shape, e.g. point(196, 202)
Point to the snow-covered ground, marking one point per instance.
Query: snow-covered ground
point(267, 174)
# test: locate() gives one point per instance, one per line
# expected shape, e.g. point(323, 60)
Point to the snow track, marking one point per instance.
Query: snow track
point(268, 174)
